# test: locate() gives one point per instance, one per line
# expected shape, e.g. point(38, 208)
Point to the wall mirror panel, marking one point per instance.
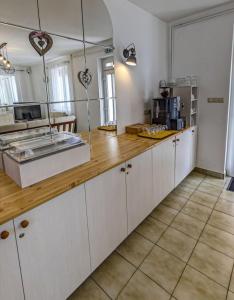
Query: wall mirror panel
point(50, 87)
point(62, 17)
point(101, 92)
point(62, 64)
point(97, 22)
point(22, 12)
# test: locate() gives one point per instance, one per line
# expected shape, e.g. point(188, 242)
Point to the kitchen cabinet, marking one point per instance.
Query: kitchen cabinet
point(185, 154)
point(163, 170)
point(193, 132)
point(139, 179)
point(10, 279)
point(107, 215)
point(53, 247)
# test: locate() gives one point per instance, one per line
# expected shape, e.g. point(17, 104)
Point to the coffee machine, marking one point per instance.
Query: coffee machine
point(167, 111)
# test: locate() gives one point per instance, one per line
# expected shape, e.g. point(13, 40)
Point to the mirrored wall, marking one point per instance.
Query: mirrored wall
point(57, 66)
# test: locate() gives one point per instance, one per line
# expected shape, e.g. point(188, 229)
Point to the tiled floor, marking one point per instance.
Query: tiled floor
point(183, 251)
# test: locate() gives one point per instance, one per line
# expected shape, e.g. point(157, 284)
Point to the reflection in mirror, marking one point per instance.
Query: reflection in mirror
point(67, 96)
point(98, 34)
point(102, 104)
point(22, 13)
point(62, 17)
point(22, 80)
point(12, 119)
point(97, 22)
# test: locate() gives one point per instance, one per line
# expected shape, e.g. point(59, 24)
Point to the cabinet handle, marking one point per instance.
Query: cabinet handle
point(123, 170)
point(24, 224)
point(5, 235)
point(129, 166)
point(178, 140)
point(193, 131)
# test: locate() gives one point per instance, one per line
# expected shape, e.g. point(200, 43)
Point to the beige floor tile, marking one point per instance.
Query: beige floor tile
point(231, 287)
point(195, 286)
point(215, 181)
point(227, 195)
point(135, 248)
point(196, 174)
point(197, 211)
point(225, 206)
point(204, 199)
point(89, 291)
point(163, 268)
point(177, 243)
point(113, 274)
point(174, 201)
point(192, 180)
point(183, 192)
point(164, 214)
point(140, 287)
point(230, 296)
point(210, 189)
point(151, 229)
point(190, 185)
point(218, 239)
point(222, 221)
point(189, 225)
point(212, 263)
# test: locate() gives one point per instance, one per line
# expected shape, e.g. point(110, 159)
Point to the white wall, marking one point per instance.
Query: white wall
point(135, 86)
point(204, 49)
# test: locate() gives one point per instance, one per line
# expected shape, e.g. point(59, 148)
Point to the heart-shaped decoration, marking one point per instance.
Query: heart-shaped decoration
point(41, 42)
point(85, 78)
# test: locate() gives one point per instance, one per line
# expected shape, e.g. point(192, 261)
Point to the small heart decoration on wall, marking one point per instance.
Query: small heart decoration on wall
point(85, 78)
point(41, 42)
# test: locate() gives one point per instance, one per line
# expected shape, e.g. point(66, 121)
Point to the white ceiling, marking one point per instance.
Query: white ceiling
point(170, 10)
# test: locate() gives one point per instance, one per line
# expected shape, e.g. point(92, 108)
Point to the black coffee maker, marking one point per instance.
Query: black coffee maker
point(167, 111)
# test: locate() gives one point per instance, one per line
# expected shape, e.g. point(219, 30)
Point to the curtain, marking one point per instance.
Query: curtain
point(60, 89)
point(8, 90)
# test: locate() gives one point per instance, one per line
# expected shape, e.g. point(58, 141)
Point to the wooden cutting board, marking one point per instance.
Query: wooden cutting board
point(158, 135)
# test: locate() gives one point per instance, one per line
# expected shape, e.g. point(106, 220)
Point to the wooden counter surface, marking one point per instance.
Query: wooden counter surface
point(107, 152)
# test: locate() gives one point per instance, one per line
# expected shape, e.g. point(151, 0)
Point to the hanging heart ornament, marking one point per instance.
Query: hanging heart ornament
point(41, 42)
point(85, 78)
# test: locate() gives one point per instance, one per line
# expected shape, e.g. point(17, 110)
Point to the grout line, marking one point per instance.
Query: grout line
point(197, 240)
point(155, 244)
point(230, 281)
point(138, 268)
point(99, 286)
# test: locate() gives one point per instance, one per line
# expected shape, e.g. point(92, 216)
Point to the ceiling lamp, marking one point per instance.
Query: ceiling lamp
point(5, 64)
point(130, 54)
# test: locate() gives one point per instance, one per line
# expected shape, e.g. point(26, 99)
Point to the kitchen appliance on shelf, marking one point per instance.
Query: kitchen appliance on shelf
point(167, 111)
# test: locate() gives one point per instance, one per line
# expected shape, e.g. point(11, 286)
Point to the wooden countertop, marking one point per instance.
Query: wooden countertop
point(107, 152)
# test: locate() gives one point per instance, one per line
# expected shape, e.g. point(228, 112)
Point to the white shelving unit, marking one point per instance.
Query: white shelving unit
point(189, 101)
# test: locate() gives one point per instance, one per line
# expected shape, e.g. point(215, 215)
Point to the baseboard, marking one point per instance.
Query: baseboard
point(210, 173)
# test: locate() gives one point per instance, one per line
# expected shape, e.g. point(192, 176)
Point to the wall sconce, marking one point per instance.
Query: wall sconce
point(130, 54)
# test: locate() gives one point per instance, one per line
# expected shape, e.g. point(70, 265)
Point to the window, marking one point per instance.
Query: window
point(108, 107)
point(60, 89)
point(8, 90)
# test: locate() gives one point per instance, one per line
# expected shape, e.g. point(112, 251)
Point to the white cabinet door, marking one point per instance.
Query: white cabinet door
point(107, 215)
point(54, 248)
point(139, 189)
point(10, 279)
point(184, 146)
point(163, 170)
point(194, 148)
